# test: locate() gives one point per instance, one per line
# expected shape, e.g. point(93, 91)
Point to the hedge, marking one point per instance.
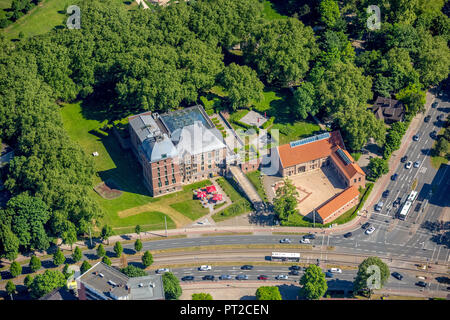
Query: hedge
point(268, 123)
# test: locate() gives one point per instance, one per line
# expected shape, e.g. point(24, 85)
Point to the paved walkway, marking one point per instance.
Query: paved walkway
point(246, 185)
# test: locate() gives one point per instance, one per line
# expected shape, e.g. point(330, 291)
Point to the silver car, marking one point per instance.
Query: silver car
point(225, 277)
point(370, 230)
point(285, 240)
point(416, 164)
point(281, 277)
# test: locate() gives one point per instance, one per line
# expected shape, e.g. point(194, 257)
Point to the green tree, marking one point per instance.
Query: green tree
point(58, 257)
point(368, 278)
point(77, 254)
point(85, 266)
point(10, 288)
point(106, 233)
point(268, 293)
point(314, 284)
point(9, 243)
point(69, 235)
point(242, 85)
point(138, 245)
point(66, 272)
point(281, 51)
point(441, 147)
point(35, 264)
point(172, 288)
point(28, 281)
point(377, 167)
point(138, 230)
point(329, 12)
point(15, 269)
point(101, 252)
point(413, 98)
point(147, 259)
point(106, 260)
point(133, 271)
point(118, 249)
point(285, 202)
point(305, 99)
point(46, 282)
point(201, 296)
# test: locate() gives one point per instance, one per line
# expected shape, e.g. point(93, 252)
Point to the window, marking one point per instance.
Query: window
point(159, 184)
point(167, 183)
point(354, 180)
point(359, 179)
point(173, 180)
point(209, 166)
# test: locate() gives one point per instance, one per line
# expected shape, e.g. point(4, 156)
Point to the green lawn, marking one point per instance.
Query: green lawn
point(4, 4)
point(122, 167)
point(239, 204)
point(255, 179)
point(44, 17)
point(270, 13)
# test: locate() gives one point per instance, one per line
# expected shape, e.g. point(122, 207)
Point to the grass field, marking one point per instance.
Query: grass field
point(44, 17)
point(270, 13)
point(255, 179)
point(239, 204)
point(4, 4)
point(122, 167)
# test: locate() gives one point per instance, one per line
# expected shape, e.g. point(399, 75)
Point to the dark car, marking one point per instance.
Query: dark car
point(328, 275)
point(397, 202)
point(208, 277)
point(241, 277)
point(348, 235)
point(403, 159)
point(427, 119)
point(263, 277)
point(294, 273)
point(441, 117)
point(225, 277)
point(188, 278)
point(421, 284)
point(416, 137)
point(295, 268)
point(247, 267)
point(365, 225)
point(433, 134)
point(309, 236)
point(394, 177)
point(386, 194)
point(435, 104)
point(397, 275)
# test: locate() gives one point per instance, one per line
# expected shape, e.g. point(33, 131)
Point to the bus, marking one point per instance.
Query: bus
point(407, 205)
point(285, 256)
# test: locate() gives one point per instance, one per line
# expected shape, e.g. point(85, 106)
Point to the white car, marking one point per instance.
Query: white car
point(162, 270)
point(416, 164)
point(370, 230)
point(285, 240)
point(335, 270)
point(204, 268)
point(305, 241)
point(408, 165)
point(281, 277)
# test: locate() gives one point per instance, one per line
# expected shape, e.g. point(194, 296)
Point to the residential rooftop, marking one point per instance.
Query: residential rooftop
point(337, 202)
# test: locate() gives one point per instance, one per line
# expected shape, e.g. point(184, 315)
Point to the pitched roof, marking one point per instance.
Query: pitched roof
point(350, 168)
point(389, 109)
point(291, 156)
point(337, 202)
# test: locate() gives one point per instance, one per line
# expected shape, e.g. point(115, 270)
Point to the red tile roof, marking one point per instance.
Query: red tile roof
point(337, 202)
point(310, 151)
point(349, 170)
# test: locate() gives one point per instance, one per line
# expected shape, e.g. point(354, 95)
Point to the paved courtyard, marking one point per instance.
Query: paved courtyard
point(253, 118)
point(315, 188)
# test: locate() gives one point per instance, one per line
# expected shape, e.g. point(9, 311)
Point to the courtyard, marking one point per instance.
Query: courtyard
point(316, 187)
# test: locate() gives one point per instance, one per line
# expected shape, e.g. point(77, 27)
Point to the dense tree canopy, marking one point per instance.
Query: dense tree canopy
point(285, 202)
point(372, 274)
point(172, 288)
point(133, 271)
point(46, 282)
point(268, 293)
point(314, 284)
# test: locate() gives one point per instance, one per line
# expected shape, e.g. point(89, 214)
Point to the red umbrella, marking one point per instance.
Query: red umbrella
point(201, 194)
point(210, 189)
point(217, 197)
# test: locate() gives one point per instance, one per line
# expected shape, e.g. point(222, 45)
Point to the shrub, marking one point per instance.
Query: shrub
point(268, 123)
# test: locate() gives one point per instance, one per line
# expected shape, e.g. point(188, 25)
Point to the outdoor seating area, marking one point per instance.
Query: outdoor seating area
point(208, 195)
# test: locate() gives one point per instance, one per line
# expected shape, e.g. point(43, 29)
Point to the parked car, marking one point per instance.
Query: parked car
point(309, 236)
point(335, 270)
point(427, 118)
point(435, 104)
point(242, 277)
point(188, 278)
point(204, 268)
point(403, 159)
point(247, 267)
point(208, 277)
point(370, 230)
point(408, 165)
point(416, 137)
point(397, 275)
point(441, 117)
point(365, 225)
point(295, 267)
point(348, 235)
point(433, 135)
point(263, 277)
point(225, 277)
point(421, 284)
point(386, 194)
point(305, 241)
point(162, 270)
point(416, 164)
point(294, 273)
point(379, 206)
point(281, 277)
point(394, 177)
point(329, 275)
point(285, 240)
